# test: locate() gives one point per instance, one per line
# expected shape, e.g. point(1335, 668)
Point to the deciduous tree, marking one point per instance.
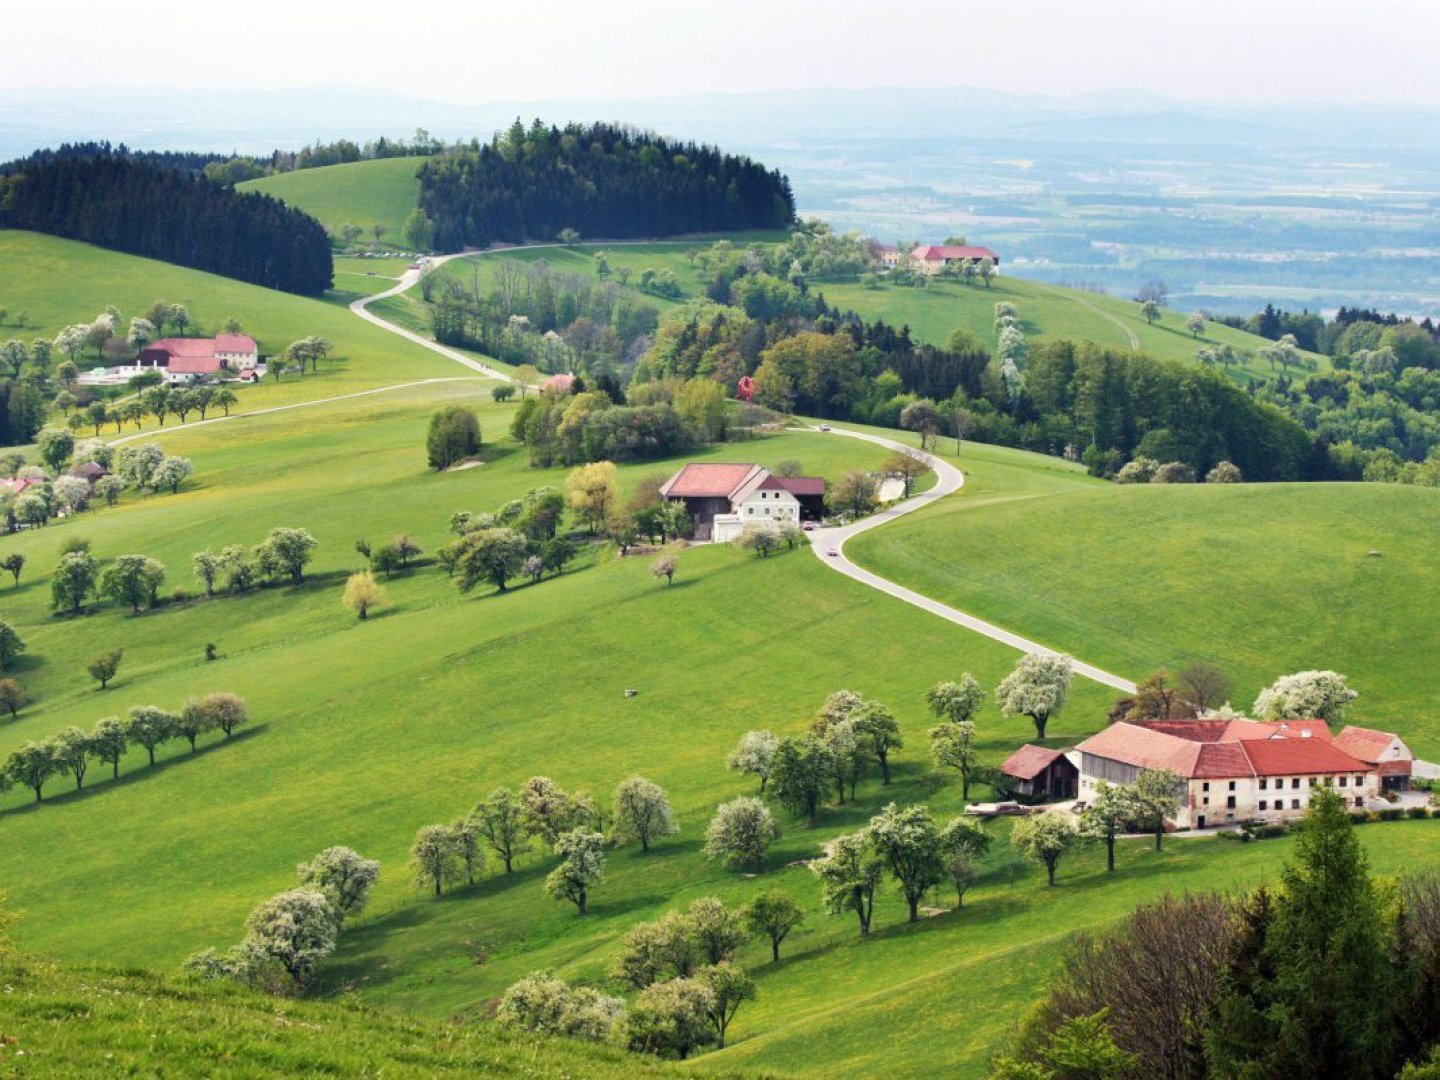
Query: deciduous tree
point(134, 580)
point(150, 727)
point(1037, 688)
point(73, 749)
point(1319, 695)
point(755, 755)
point(453, 436)
point(103, 668)
point(741, 832)
point(1106, 815)
point(499, 817)
point(910, 845)
point(582, 867)
point(435, 857)
point(73, 581)
point(11, 645)
point(642, 812)
point(963, 843)
point(730, 988)
point(773, 914)
point(1044, 838)
point(672, 1018)
point(31, 765)
point(109, 742)
point(849, 875)
point(362, 592)
point(296, 930)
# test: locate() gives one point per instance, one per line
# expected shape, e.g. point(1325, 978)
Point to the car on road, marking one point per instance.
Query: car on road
point(809, 526)
point(833, 552)
point(824, 427)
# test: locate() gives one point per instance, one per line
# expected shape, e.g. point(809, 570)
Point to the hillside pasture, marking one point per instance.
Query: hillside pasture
point(361, 193)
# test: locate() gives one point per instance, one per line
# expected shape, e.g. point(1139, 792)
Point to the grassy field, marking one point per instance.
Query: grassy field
point(1260, 579)
point(361, 193)
point(58, 282)
point(365, 732)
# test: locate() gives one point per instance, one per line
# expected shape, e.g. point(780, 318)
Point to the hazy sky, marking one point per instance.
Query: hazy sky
point(470, 51)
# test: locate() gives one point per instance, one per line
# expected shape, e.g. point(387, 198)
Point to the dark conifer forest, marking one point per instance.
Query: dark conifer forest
point(118, 201)
point(601, 181)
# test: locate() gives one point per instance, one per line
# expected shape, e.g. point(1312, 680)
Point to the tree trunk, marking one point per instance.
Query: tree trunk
point(1159, 833)
point(965, 784)
point(885, 767)
point(115, 769)
point(152, 754)
point(1110, 854)
point(775, 949)
point(1040, 722)
point(437, 884)
point(581, 902)
point(914, 902)
point(37, 792)
point(508, 859)
point(1050, 872)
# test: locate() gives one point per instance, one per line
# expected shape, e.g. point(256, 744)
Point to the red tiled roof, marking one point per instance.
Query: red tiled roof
point(702, 480)
point(183, 346)
point(937, 252)
point(1295, 729)
point(194, 365)
point(1202, 731)
point(802, 485)
point(1287, 757)
point(1029, 762)
point(234, 343)
point(19, 485)
point(1366, 744)
point(1219, 760)
point(1143, 748)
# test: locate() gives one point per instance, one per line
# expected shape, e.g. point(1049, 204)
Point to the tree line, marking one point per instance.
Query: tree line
point(600, 180)
point(72, 751)
point(133, 206)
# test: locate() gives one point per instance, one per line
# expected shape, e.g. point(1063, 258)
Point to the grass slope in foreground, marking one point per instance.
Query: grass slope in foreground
point(59, 282)
point(361, 193)
point(70, 1022)
point(1261, 579)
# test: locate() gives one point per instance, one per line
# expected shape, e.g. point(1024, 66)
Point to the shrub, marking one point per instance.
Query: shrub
point(454, 435)
point(1417, 813)
point(1173, 472)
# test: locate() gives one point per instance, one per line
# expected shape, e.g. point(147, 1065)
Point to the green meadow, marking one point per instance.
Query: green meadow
point(365, 732)
point(361, 193)
point(1260, 579)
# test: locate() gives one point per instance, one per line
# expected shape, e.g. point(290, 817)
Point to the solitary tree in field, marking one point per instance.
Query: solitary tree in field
point(582, 867)
point(568, 237)
point(109, 742)
point(1151, 310)
point(773, 915)
point(378, 230)
point(500, 819)
point(435, 857)
point(642, 812)
point(741, 832)
point(1204, 685)
point(1195, 324)
point(454, 435)
point(1037, 688)
point(13, 564)
point(963, 843)
point(103, 668)
point(1044, 838)
point(362, 592)
point(905, 468)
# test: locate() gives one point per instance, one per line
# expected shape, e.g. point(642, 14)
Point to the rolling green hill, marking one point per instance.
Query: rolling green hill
point(367, 731)
point(58, 282)
point(1261, 579)
point(361, 193)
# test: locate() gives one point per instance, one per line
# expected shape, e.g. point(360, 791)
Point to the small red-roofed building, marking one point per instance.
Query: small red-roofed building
point(186, 359)
point(1040, 772)
point(1383, 751)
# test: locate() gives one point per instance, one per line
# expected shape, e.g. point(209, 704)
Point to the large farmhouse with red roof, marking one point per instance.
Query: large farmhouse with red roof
point(933, 258)
point(1237, 770)
point(185, 359)
point(723, 498)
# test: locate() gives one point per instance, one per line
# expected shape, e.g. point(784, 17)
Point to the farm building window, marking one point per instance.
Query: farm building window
point(1342, 780)
point(1263, 804)
point(1294, 804)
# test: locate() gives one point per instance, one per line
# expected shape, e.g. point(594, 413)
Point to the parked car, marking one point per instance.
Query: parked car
point(809, 526)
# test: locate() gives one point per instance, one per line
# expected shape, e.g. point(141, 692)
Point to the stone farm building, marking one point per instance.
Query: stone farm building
point(183, 359)
point(723, 498)
point(1240, 770)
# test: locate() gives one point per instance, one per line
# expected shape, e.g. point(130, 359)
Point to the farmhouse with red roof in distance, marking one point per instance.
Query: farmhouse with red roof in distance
point(185, 359)
point(723, 498)
point(1239, 770)
point(935, 258)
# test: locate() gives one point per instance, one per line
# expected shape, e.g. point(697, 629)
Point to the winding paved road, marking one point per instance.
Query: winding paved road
point(949, 479)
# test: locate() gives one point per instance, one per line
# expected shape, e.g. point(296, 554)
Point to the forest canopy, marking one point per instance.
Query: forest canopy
point(121, 202)
point(603, 180)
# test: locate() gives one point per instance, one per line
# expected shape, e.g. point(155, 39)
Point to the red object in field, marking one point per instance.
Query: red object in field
point(746, 390)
